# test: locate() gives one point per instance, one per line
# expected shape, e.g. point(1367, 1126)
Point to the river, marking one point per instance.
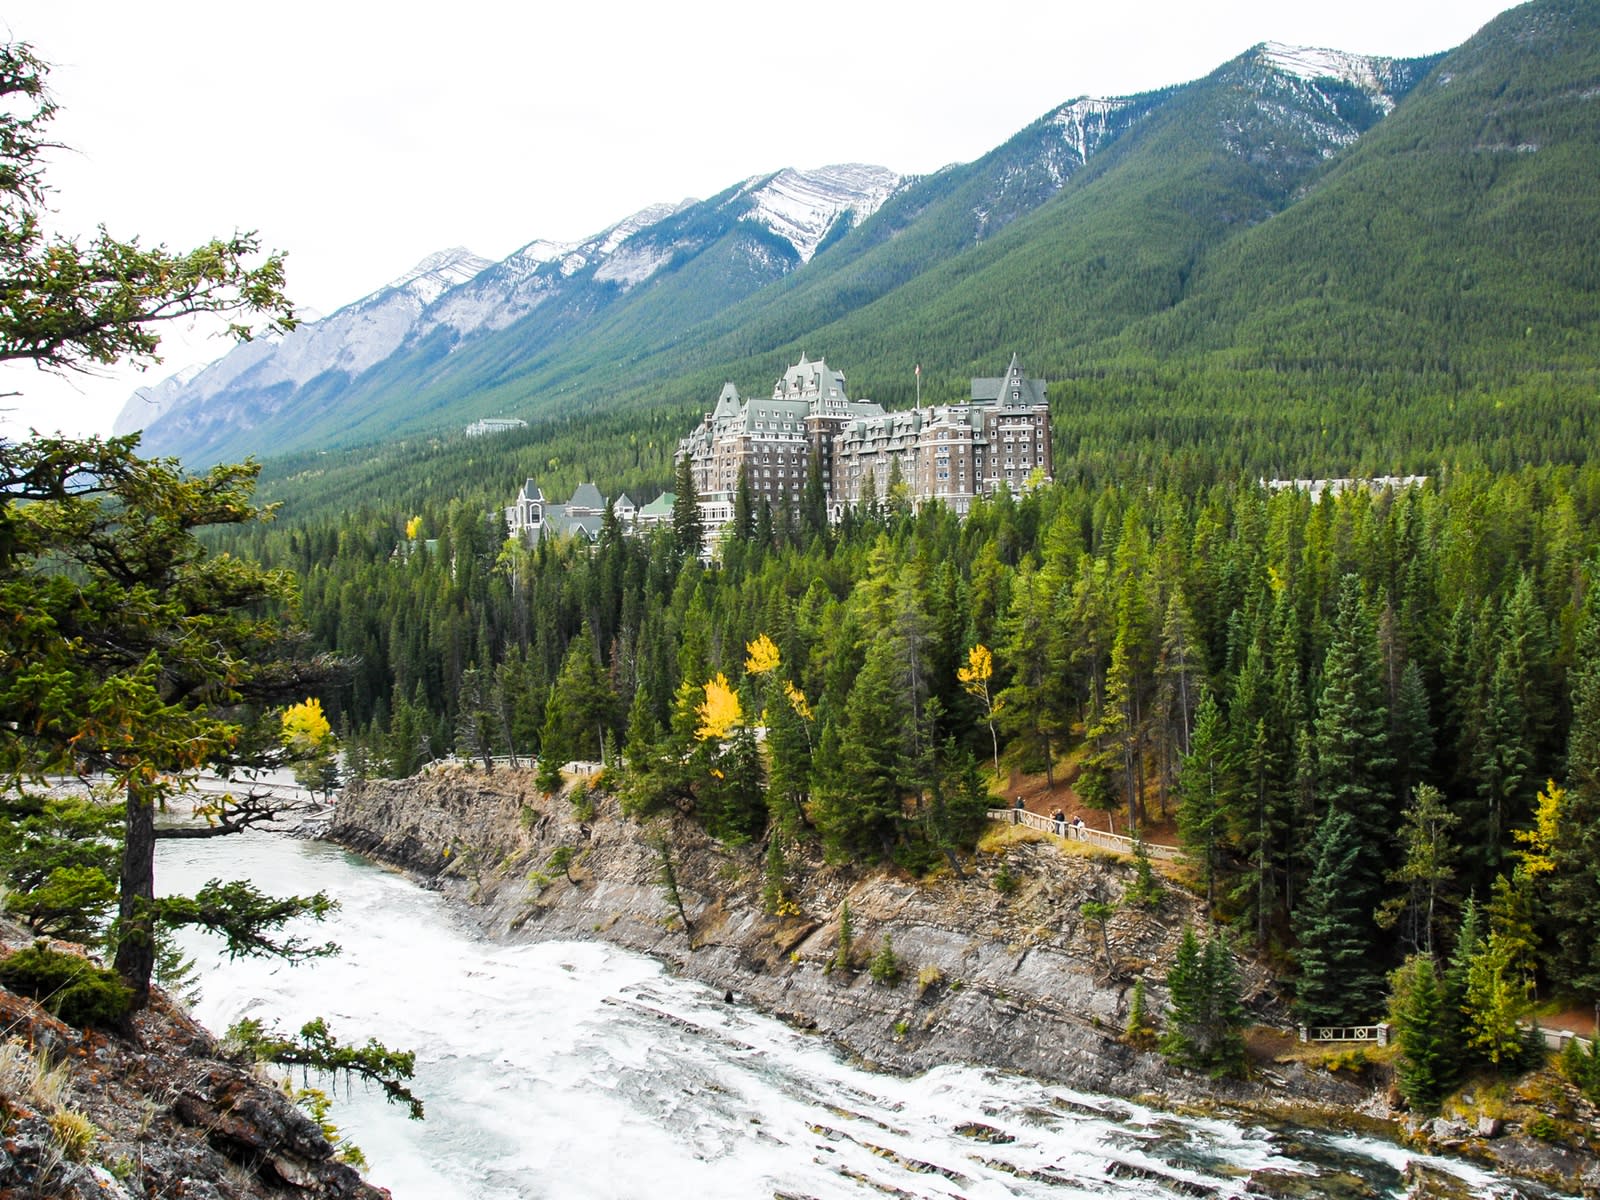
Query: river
point(572, 1070)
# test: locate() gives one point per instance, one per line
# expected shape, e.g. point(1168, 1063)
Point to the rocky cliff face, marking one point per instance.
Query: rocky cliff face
point(1012, 979)
point(159, 1114)
point(998, 966)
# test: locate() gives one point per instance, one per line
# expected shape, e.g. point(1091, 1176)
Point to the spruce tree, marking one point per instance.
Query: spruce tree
point(1355, 767)
point(1573, 950)
point(1186, 1006)
point(1204, 786)
point(1223, 1049)
point(688, 531)
point(1206, 1019)
point(1340, 980)
point(553, 749)
point(1424, 1030)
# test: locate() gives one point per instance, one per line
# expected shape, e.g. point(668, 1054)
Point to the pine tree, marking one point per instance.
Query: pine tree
point(1340, 980)
point(1429, 1058)
point(1355, 768)
point(1427, 871)
point(1496, 1000)
point(1204, 785)
point(1573, 950)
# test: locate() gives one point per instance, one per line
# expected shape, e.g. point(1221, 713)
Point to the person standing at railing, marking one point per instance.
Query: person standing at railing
point(1077, 826)
point(1060, 818)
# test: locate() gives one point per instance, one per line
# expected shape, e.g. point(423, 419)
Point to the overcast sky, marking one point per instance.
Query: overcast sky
point(361, 137)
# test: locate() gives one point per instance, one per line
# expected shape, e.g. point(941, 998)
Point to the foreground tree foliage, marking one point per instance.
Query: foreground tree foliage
point(130, 656)
point(130, 652)
point(69, 306)
point(1205, 1022)
point(315, 1048)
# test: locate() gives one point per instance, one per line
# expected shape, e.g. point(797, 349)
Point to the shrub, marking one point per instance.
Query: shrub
point(67, 985)
point(582, 802)
point(885, 967)
point(841, 960)
point(73, 1132)
point(1544, 1127)
point(1141, 1028)
point(1005, 882)
point(928, 978)
point(1582, 1068)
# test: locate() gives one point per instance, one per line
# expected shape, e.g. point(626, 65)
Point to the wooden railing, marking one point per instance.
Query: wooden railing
point(1079, 833)
point(1378, 1034)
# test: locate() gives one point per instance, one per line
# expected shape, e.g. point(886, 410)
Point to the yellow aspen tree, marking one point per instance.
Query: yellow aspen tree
point(719, 712)
point(974, 679)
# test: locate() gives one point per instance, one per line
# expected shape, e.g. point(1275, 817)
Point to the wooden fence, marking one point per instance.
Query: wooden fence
point(576, 767)
point(1378, 1034)
point(1079, 833)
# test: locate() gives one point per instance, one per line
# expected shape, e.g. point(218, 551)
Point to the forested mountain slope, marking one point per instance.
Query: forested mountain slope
point(1092, 217)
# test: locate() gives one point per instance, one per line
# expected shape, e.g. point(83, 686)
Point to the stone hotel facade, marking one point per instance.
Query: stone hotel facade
point(952, 453)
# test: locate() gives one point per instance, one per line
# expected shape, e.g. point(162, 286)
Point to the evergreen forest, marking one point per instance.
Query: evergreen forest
point(1371, 716)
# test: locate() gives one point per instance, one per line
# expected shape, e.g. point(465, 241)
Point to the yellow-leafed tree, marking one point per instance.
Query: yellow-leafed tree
point(761, 656)
point(974, 678)
point(305, 728)
point(720, 711)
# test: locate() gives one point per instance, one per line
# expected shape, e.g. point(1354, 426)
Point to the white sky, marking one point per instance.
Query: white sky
point(360, 137)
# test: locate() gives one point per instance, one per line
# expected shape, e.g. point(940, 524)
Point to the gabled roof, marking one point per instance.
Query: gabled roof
point(1014, 388)
point(661, 506)
point(623, 503)
point(563, 523)
point(587, 497)
point(727, 403)
point(530, 491)
point(808, 378)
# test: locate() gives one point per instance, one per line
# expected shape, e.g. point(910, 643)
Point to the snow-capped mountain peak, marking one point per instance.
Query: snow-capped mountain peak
point(802, 206)
point(1311, 64)
point(440, 272)
point(1085, 122)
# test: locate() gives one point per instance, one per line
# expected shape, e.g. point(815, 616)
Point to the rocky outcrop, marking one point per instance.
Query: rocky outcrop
point(158, 1114)
point(997, 966)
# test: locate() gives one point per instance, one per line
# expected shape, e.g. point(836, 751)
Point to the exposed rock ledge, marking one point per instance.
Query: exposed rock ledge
point(1013, 981)
point(159, 1115)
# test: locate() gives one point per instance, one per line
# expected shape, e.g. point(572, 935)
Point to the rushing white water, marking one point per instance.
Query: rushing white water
point(579, 1070)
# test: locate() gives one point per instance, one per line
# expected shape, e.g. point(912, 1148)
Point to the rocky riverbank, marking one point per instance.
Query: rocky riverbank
point(996, 966)
point(154, 1112)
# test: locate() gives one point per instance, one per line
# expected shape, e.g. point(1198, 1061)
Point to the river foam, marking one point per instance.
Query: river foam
point(578, 1070)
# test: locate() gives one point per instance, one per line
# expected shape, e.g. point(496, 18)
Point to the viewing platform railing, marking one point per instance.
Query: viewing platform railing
point(1080, 833)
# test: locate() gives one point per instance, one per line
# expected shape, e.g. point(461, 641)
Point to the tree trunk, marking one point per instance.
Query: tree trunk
point(136, 944)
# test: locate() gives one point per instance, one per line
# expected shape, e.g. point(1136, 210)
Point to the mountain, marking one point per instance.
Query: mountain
point(1305, 261)
point(745, 237)
point(247, 386)
point(148, 404)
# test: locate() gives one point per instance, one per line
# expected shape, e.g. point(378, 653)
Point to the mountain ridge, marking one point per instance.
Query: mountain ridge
point(1089, 241)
